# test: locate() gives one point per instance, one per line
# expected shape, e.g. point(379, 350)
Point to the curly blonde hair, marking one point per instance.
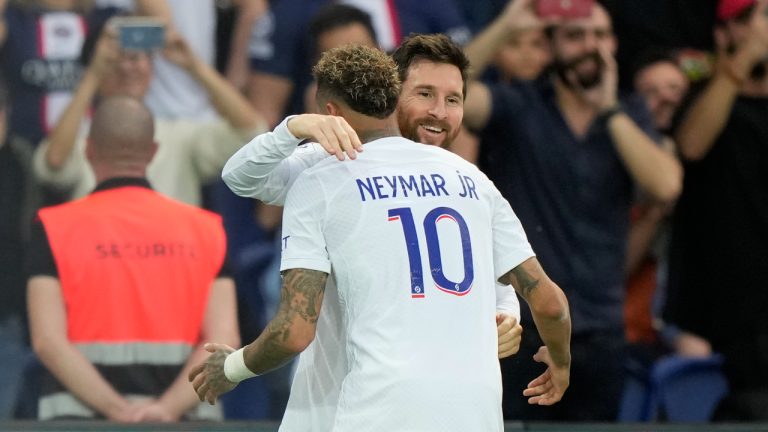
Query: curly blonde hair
point(364, 78)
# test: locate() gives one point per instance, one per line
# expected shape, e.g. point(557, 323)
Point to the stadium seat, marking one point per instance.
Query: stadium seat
point(685, 389)
point(636, 398)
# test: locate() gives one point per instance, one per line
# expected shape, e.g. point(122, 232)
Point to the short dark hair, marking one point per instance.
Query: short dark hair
point(364, 78)
point(333, 16)
point(437, 48)
point(652, 56)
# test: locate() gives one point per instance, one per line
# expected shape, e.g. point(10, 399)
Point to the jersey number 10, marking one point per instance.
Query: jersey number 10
point(405, 216)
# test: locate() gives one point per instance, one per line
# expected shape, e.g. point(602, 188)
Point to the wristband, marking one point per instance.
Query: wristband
point(235, 369)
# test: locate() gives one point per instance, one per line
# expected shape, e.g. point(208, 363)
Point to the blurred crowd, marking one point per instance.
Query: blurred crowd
point(632, 143)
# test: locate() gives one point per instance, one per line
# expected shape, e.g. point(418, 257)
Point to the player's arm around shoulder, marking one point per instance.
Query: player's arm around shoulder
point(333, 133)
point(266, 167)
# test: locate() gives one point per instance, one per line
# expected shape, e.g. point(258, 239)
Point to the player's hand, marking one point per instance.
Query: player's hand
point(510, 334)
point(549, 387)
point(208, 378)
point(333, 133)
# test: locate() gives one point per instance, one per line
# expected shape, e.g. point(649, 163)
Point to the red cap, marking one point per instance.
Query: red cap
point(728, 9)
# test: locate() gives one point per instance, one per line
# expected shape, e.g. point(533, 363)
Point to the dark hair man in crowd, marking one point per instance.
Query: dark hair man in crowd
point(566, 152)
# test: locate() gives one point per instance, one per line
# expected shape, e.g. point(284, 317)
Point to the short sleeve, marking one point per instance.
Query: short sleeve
point(303, 242)
point(40, 261)
point(510, 244)
point(507, 301)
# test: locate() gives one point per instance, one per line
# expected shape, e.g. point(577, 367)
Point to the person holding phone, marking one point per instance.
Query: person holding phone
point(722, 139)
point(567, 152)
point(190, 154)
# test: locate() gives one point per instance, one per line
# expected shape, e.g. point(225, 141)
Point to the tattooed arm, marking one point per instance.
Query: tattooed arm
point(287, 334)
point(293, 327)
point(549, 308)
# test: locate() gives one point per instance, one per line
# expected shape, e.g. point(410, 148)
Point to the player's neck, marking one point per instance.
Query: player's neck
point(369, 135)
point(370, 128)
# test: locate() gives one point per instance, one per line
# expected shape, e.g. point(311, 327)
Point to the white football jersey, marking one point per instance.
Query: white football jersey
point(414, 238)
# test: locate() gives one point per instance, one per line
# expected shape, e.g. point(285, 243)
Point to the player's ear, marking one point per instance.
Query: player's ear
point(333, 109)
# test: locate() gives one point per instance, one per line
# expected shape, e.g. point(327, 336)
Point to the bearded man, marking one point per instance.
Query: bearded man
point(567, 153)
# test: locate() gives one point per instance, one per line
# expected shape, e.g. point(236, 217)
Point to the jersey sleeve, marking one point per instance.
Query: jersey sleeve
point(303, 242)
point(510, 244)
point(266, 167)
point(507, 301)
point(40, 261)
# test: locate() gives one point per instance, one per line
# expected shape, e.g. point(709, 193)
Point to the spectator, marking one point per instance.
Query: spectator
point(566, 151)
point(402, 320)
point(174, 93)
point(41, 42)
point(281, 56)
point(719, 251)
point(674, 24)
point(661, 82)
point(125, 285)
point(335, 25)
point(18, 199)
point(238, 22)
point(523, 56)
point(191, 152)
point(659, 79)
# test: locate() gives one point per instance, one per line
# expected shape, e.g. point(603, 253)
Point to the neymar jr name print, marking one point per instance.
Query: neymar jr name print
point(415, 185)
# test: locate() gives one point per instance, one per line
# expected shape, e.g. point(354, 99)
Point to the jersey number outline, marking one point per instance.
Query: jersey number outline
point(405, 216)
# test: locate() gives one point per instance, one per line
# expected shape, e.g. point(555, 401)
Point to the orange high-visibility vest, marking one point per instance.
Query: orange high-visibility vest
point(134, 265)
point(135, 270)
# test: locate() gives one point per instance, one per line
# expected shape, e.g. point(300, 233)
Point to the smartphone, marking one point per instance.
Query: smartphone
point(140, 33)
point(564, 8)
